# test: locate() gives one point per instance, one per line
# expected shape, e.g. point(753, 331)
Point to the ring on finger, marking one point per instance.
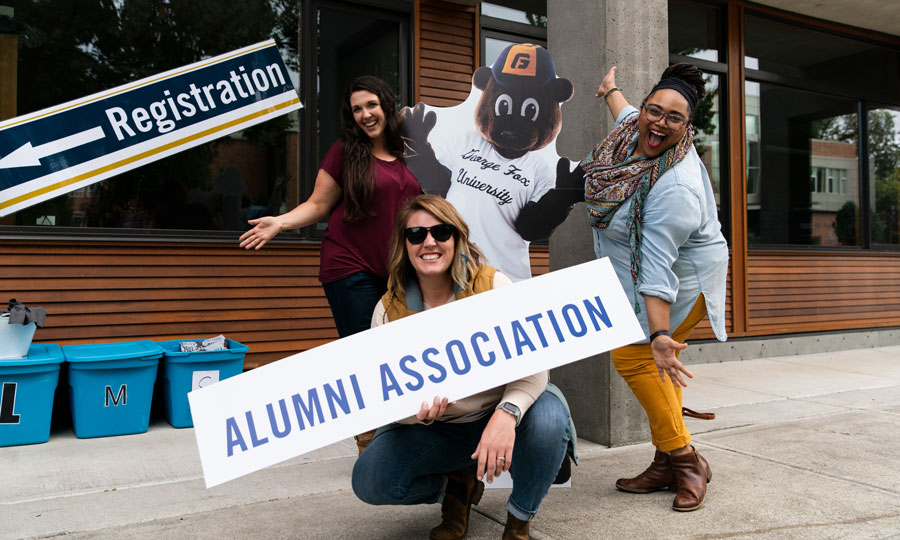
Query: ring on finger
point(501, 458)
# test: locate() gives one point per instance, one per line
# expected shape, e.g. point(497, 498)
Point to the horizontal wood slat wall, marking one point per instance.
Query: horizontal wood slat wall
point(446, 52)
point(270, 300)
point(819, 292)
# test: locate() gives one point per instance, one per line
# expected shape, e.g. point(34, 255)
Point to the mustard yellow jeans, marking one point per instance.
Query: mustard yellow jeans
point(660, 400)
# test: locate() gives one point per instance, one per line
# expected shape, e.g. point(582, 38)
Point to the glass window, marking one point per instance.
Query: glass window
point(505, 22)
point(68, 50)
point(707, 137)
point(350, 45)
point(347, 42)
point(530, 12)
point(493, 46)
point(804, 139)
point(805, 57)
point(884, 173)
point(695, 30)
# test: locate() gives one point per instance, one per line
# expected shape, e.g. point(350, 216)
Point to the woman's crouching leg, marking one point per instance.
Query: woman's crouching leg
point(401, 466)
point(542, 439)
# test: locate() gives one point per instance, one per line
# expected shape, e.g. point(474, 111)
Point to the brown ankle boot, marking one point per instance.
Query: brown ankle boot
point(363, 440)
point(657, 476)
point(515, 529)
point(692, 473)
point(463, 490)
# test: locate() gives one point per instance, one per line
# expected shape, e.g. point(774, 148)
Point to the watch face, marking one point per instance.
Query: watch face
point(511, 408)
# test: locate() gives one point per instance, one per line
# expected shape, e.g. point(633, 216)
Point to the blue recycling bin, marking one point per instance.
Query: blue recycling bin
point(183, 372)
point(111, 387)
point(27, 386)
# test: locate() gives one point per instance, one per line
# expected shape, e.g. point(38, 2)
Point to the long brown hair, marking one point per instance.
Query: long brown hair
point(358, 161)
point(466, 256)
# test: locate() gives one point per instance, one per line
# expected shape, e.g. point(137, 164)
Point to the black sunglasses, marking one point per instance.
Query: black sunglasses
point(440, 233)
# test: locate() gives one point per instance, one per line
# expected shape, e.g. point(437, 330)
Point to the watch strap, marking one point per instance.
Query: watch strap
point(658, 333)
point(510, 408)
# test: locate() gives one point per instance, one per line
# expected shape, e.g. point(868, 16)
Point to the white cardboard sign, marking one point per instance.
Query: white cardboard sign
point(67, 147)
point(321, 396)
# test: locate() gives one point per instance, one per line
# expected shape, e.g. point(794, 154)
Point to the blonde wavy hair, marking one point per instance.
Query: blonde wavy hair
point(466, 256)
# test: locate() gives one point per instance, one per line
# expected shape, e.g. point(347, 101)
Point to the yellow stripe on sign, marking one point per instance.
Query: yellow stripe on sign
point(143, 155)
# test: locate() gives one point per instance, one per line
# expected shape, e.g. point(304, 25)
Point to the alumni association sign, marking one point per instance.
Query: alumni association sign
point(360, 382)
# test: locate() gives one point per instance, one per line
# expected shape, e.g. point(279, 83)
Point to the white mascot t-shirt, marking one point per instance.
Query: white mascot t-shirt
point(489, 191)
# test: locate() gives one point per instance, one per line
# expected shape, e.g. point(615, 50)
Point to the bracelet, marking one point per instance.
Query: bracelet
point(658, 333)
point(610, 91)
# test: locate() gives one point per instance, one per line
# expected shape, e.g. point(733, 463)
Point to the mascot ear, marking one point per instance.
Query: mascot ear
point(482, 77)
point(561, 90)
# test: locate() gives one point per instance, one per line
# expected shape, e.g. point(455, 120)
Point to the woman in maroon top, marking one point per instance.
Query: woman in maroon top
point(362, 182)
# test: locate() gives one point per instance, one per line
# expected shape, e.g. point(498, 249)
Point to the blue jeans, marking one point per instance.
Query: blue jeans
point(352, 301)
point(408, 464)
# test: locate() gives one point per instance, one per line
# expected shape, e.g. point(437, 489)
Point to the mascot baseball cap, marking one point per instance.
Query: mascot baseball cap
point(524, 63)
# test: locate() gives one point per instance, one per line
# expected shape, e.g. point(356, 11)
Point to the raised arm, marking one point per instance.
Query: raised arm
point(325, 196)
point(608, 91)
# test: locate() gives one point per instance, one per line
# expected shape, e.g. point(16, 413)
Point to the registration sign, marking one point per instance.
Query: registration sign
point(51, 152)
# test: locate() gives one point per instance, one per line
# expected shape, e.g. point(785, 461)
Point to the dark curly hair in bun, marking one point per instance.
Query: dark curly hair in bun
point(686, 79)
point(688, 73)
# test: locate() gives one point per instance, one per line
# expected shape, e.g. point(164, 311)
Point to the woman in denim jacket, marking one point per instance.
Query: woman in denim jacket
point(654, 215)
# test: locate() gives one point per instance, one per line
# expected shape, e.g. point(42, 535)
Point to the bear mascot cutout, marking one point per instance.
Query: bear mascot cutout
point(494, 156)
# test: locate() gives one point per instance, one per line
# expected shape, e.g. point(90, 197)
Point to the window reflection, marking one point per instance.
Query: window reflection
point(884, 170)
point(530, 12)
point(804, 55)
point(68, 50)
point(694, 30)
point(493, 47)
point(706, 119)
point(802, 168)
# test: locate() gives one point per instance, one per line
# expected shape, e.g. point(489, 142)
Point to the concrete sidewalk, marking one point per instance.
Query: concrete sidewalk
point(803, 447)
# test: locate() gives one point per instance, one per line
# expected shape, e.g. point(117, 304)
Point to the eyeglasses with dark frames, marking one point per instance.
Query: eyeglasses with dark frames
point(440, 233)
point(674, 120)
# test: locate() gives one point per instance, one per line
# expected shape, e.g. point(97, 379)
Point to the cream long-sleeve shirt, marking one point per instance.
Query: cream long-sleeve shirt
point(521, 393)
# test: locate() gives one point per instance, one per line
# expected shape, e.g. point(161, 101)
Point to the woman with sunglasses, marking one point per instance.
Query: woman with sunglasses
point(654, 215)
point(361, 183)
point(522, 426)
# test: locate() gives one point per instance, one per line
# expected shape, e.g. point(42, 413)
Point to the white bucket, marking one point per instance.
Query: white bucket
point(15, 338)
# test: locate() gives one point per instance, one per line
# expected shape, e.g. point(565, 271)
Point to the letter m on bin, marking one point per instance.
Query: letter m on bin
point(122, 396)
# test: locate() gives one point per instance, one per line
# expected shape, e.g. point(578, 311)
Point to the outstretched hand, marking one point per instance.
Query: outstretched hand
point(567, 178)
point(664, 348)
point(607, 83)
point(416, 125)
point(264, 229)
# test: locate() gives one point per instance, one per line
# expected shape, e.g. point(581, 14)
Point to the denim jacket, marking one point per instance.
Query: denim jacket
point(683, 252)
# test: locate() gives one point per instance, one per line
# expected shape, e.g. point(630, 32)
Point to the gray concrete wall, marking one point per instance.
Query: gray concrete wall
point(586, 38)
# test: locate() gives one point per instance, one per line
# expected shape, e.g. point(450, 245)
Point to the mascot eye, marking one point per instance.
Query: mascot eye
point(503, 105)
point(530, 109)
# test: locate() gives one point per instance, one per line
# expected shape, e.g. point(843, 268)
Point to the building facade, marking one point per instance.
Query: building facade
point(800, 132)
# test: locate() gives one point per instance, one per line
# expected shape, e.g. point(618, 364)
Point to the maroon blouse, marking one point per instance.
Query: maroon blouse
point(362, 246)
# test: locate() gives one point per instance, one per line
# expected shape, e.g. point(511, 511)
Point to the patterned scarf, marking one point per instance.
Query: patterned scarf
point(611, 176)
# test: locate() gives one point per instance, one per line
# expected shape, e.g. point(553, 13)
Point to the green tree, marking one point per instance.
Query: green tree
point(845, 224)
point(883, 146)
point(887, 209)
